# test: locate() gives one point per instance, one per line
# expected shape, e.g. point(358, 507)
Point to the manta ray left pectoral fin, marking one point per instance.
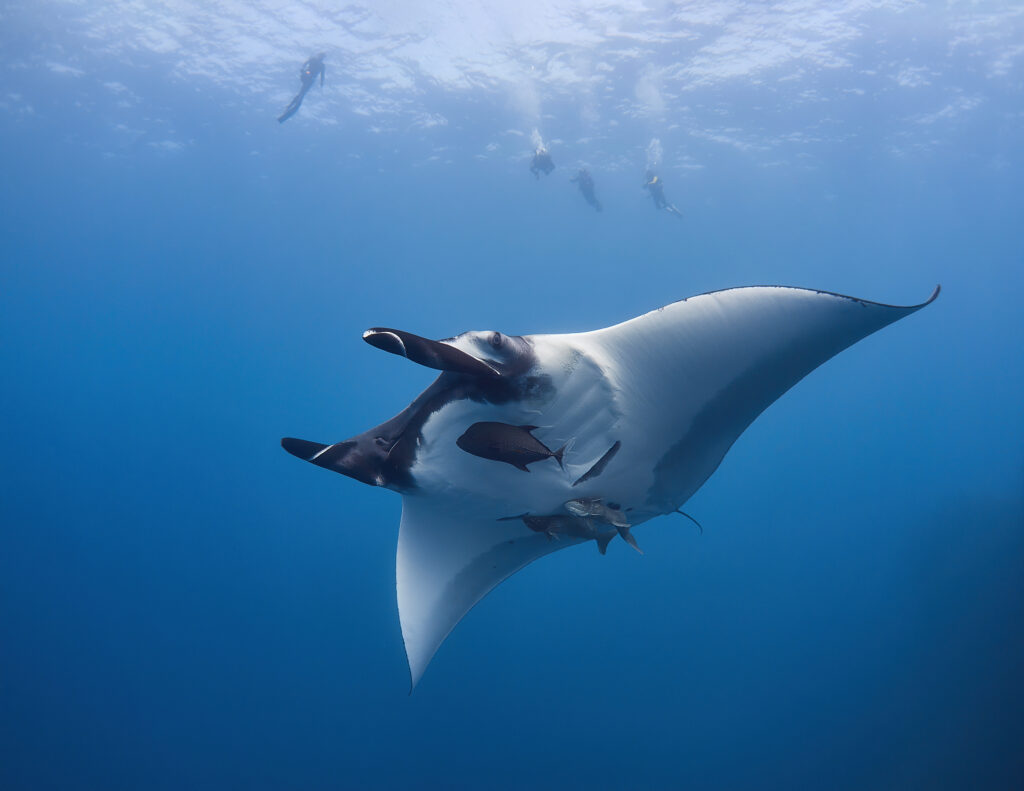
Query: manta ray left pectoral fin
point(451, 553)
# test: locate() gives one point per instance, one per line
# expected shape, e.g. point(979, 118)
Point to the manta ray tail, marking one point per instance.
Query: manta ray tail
point(628, 538)
point(683, 513)
point(603, 539)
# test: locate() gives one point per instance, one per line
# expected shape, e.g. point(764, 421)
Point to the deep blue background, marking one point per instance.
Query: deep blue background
point(182, 604)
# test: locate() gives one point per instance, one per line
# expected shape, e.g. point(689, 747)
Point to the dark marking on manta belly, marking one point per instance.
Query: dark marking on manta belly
point(600, 464)
point(405, 430)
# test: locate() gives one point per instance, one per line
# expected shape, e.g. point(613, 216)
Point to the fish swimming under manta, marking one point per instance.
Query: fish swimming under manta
point(513, 445)
point(642, 413)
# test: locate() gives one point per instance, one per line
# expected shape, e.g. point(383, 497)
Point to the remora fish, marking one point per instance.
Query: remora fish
point(676, 386)
point(595, 508)
point(559, 525)
point(513, 445)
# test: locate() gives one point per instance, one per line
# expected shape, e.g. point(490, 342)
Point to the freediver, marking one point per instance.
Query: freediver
point(542, 162)
point(656, 187)
point(308, 74)
point(585, 182)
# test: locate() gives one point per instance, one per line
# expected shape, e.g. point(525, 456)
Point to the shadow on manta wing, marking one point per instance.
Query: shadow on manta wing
point(678, 386)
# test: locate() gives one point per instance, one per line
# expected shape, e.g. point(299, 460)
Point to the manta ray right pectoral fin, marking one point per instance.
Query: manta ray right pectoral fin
point(451, 553)
point(704, 368)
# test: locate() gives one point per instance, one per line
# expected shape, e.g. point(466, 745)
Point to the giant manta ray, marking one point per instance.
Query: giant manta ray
point(529, 444)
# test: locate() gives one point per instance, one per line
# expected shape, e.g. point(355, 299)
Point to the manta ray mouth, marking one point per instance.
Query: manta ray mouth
point(433, 354)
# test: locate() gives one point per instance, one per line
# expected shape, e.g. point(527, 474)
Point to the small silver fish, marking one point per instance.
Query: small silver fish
point(595, 508)
point(561, 525)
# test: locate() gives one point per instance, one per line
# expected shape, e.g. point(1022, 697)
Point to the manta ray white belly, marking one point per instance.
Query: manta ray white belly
point(575, 407)
point(648, 409)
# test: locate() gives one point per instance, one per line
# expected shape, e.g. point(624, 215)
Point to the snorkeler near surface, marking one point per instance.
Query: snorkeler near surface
point(541, 162)
point(585, 182)
point(656, 187)
point(308, 74)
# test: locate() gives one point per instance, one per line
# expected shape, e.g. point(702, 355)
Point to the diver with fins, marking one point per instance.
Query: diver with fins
point(541, 162)
point(654, 185)
point(308, 73)
point(585, 182)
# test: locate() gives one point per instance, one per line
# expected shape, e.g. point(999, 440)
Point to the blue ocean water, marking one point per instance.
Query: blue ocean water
point(185, 281)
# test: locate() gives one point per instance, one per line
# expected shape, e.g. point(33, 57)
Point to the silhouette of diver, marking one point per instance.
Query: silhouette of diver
point(310, 69)
point(656, 187)
point(586, 184)
point(541, 162)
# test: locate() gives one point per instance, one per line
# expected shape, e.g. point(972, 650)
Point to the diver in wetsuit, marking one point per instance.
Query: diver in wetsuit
point(585, 182)
point(308, 74)
point(654, 185)
point(542, 162)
